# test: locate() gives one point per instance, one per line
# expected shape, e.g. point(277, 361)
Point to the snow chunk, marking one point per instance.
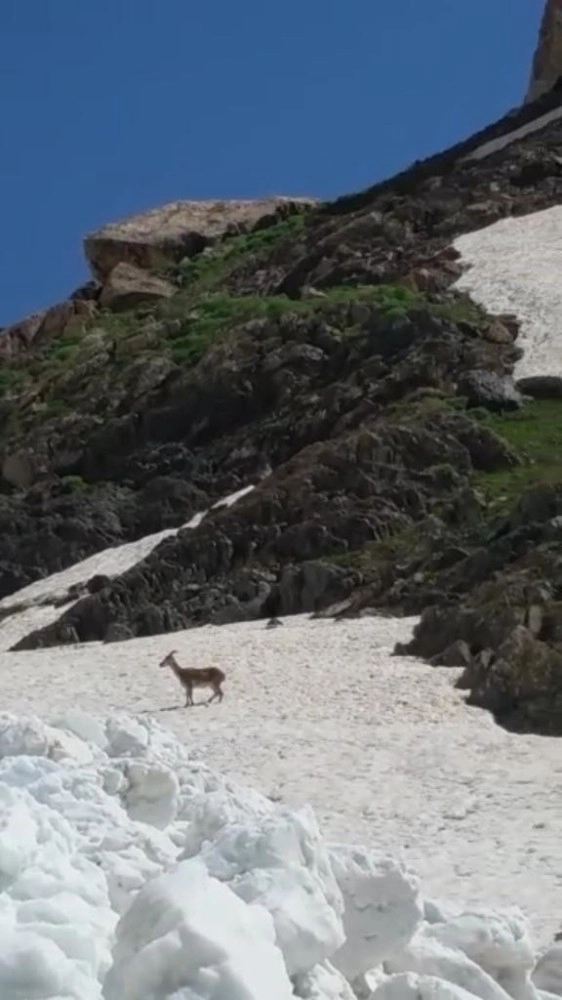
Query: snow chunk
point(499, 942)
point(323, 982)
point(152, 794)
point(212, 813)
point(83, 726)
point(34, 967)
point(382, 908)
point(33, 738)
point(427, 956)
point(187, 935)
point(279, 861)
point(410, 986)
point(125, 736)
point(547, 975)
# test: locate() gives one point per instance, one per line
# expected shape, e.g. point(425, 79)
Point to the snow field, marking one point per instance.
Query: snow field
point(513, 266)
point(383, 748)
point(131, 871)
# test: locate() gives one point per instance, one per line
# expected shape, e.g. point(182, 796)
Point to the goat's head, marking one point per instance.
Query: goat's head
point(167, 661)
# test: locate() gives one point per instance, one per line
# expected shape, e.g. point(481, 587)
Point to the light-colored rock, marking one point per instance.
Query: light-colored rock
point(547, 975)
point(128, 286)
point(382, 908)
point(18, 339)
point(178, 229)
point(547, 62)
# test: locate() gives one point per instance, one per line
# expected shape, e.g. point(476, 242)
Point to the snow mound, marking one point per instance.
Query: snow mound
point(187, 932)
point(513, 266)
point(131, 871)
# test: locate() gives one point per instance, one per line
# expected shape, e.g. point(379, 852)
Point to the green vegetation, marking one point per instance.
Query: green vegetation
point(535, 432)
point(206, 270)
point(74, 484)
point(56, 407)
point(376, 557)
point(11, 379)
point(212, 315)
point(193, 319)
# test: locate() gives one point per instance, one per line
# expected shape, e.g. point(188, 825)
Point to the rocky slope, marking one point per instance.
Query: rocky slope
point(319, 352)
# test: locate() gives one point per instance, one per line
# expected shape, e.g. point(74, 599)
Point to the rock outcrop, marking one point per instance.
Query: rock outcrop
point(180, 229)
point(547, 63)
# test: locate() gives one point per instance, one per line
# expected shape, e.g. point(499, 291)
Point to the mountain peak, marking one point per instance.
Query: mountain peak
point(547, 62)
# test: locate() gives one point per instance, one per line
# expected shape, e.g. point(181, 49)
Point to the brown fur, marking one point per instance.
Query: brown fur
point(193, 677)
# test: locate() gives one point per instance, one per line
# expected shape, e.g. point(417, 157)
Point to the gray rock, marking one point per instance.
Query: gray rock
point(486, 388)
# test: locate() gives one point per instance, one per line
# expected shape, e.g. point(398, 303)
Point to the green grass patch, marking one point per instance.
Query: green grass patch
point(73, 484)
point(535, 432)
point(410, 541)
point(11, 379)
point(206, 270)
point(56, 407)
point(209, 316)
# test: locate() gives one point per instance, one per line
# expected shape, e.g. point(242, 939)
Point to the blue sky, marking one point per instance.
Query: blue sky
point(113, 106)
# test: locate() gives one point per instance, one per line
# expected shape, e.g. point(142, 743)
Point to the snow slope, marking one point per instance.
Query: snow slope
point(384, 748)
point(514, 266)
point(240, 897)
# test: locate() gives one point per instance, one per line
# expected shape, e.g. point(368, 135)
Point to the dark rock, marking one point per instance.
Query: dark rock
point(456, 655)
point(540, 386)
point(522, 685)
point(117, 633)
point(97, 583)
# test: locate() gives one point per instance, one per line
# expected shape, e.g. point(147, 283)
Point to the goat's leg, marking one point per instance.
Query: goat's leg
point(188, 696)
point(213, 696)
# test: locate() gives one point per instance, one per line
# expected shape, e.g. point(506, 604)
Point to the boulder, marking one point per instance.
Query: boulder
point(179, 229)
point(128, 286)
point(20, 338)
point(486, 388)
point(523, 682)
point(456, 655)
point(540, 386)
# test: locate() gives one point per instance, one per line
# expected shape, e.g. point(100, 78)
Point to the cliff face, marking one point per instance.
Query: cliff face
point(547, 62)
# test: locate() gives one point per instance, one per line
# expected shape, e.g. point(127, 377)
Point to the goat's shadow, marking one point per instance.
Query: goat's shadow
point(173, 708)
